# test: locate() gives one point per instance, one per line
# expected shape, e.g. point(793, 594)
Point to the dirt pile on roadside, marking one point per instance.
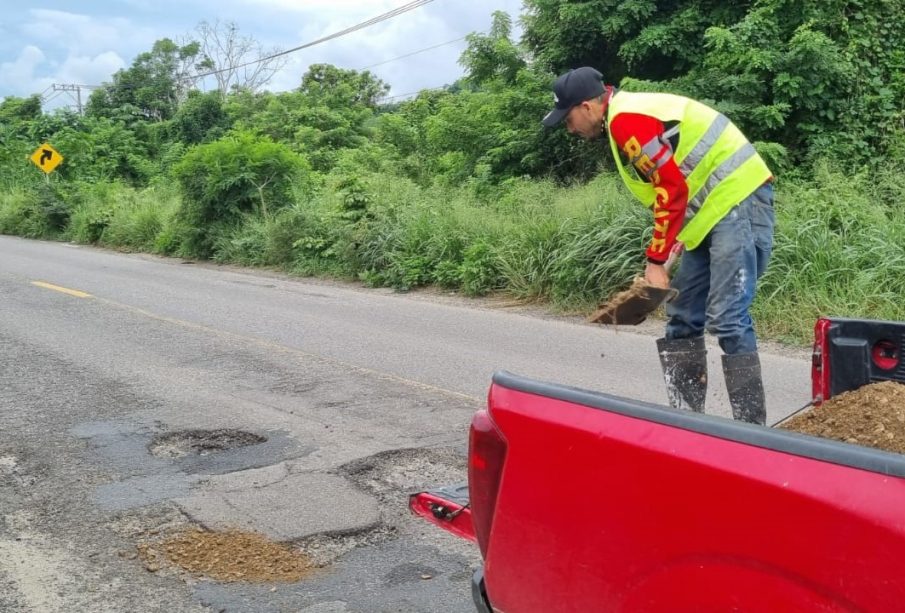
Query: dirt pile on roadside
point(873, 416)
point(228, 556)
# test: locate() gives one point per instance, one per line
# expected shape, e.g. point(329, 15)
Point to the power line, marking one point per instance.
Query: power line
point(374, 20)
point(51, 97)
point(364, 24)
point(58, 88)
point(423, 89)
point(449, 42)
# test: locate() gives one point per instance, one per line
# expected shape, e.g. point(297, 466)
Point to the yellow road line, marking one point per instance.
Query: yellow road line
point(65, 290)
point(261, 343)
point(223, 334)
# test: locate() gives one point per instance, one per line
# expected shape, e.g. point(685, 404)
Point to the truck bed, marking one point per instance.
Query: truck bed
point(612, 504)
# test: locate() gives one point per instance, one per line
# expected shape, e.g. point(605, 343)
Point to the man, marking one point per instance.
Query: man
point(711, 193)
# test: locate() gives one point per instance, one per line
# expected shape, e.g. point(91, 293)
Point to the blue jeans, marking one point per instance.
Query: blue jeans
point(717, 281)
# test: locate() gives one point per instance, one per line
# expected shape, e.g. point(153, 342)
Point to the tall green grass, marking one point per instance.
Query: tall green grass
point(531, 238)
point(839, 245)
point(570, 245)
point(116, 215)
point(839, 251)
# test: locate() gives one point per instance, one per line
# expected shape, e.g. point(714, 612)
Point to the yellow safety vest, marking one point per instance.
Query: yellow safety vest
point(720, 166)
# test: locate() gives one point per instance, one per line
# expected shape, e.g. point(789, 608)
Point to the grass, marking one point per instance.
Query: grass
point(115, 215)
point(838, 247)
point(838, 252)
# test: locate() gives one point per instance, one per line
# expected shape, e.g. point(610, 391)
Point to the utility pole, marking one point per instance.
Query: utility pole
point(71, 87)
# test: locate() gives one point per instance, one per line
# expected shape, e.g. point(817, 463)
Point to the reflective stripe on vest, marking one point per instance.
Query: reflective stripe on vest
point(720, 166)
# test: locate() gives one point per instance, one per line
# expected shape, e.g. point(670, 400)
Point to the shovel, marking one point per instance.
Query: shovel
point(632, 306)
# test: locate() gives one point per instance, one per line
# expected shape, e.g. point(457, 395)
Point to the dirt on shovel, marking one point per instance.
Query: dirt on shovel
point(872, 416)
point(632, 306)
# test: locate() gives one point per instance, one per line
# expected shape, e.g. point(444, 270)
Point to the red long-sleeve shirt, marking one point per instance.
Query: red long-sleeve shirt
point(640, 138)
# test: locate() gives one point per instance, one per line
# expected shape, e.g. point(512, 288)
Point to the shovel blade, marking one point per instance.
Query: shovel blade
point(634, 309)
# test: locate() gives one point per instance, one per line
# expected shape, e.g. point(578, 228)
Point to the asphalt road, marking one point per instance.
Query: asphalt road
point(455, 345)
point(358, 395)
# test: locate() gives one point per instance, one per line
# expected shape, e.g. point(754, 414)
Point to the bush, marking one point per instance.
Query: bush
point(224, 181)
point(139, 217)
point(92, 211)
point(526, 237)
point(273, 241)
point(479, 271)
point(34, 212)
point(21, 215)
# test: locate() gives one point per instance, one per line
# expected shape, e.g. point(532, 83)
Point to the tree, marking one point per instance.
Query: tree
point(337, 87)
point(243, 106)
point(816, 76)
point(241, 174)
point(493, 55)
point(99, 149)
point(331, 111)
point(819, 76)
point(647, 39)
point(238, 62)
point(15, 110)
point(152, 88)
point(201, 118)
point(311, 125)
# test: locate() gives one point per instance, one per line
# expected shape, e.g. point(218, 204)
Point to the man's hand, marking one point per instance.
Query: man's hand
point(656, 275)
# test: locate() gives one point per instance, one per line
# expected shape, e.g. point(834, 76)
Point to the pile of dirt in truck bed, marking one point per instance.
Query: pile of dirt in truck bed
point(228, 556)
point(873, 416)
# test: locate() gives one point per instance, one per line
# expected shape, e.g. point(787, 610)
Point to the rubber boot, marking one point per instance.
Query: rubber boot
point(684, 363)
point(746, 387)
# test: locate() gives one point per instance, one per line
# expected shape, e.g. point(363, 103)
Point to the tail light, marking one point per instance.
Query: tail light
point(885, 355)
point(820, 363)
point(486, 454)
point(851, 353)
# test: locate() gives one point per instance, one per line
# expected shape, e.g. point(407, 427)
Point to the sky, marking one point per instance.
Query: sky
point(86, 41)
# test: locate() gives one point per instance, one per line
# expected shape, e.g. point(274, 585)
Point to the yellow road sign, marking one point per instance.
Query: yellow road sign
point(46, 158)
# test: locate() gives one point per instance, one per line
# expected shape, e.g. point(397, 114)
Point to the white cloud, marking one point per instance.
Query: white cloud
point(346, 7)
point(65, 47)
point(83, 70)
point(22, 69)
point(89, 45)
point(84, 34)
point(29, 74)
point(89, 70)
point(387, 40)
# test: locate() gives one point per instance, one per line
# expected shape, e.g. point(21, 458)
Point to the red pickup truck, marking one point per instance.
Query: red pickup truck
point(582, 501)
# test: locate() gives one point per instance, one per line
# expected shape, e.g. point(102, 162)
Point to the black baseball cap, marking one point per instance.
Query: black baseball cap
point(570, 90)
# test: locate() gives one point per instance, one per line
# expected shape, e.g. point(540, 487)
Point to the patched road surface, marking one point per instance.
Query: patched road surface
point(143, 399)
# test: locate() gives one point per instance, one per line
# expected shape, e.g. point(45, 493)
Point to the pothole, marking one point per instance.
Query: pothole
point(393, 475)
point(325, 548)
point(201, 442)
point(229, 556)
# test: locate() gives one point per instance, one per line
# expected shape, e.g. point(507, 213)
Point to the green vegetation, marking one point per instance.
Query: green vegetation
point(463, 189)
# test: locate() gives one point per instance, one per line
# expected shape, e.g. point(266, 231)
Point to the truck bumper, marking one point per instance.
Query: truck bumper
point(479, 592)
point(446, 507)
